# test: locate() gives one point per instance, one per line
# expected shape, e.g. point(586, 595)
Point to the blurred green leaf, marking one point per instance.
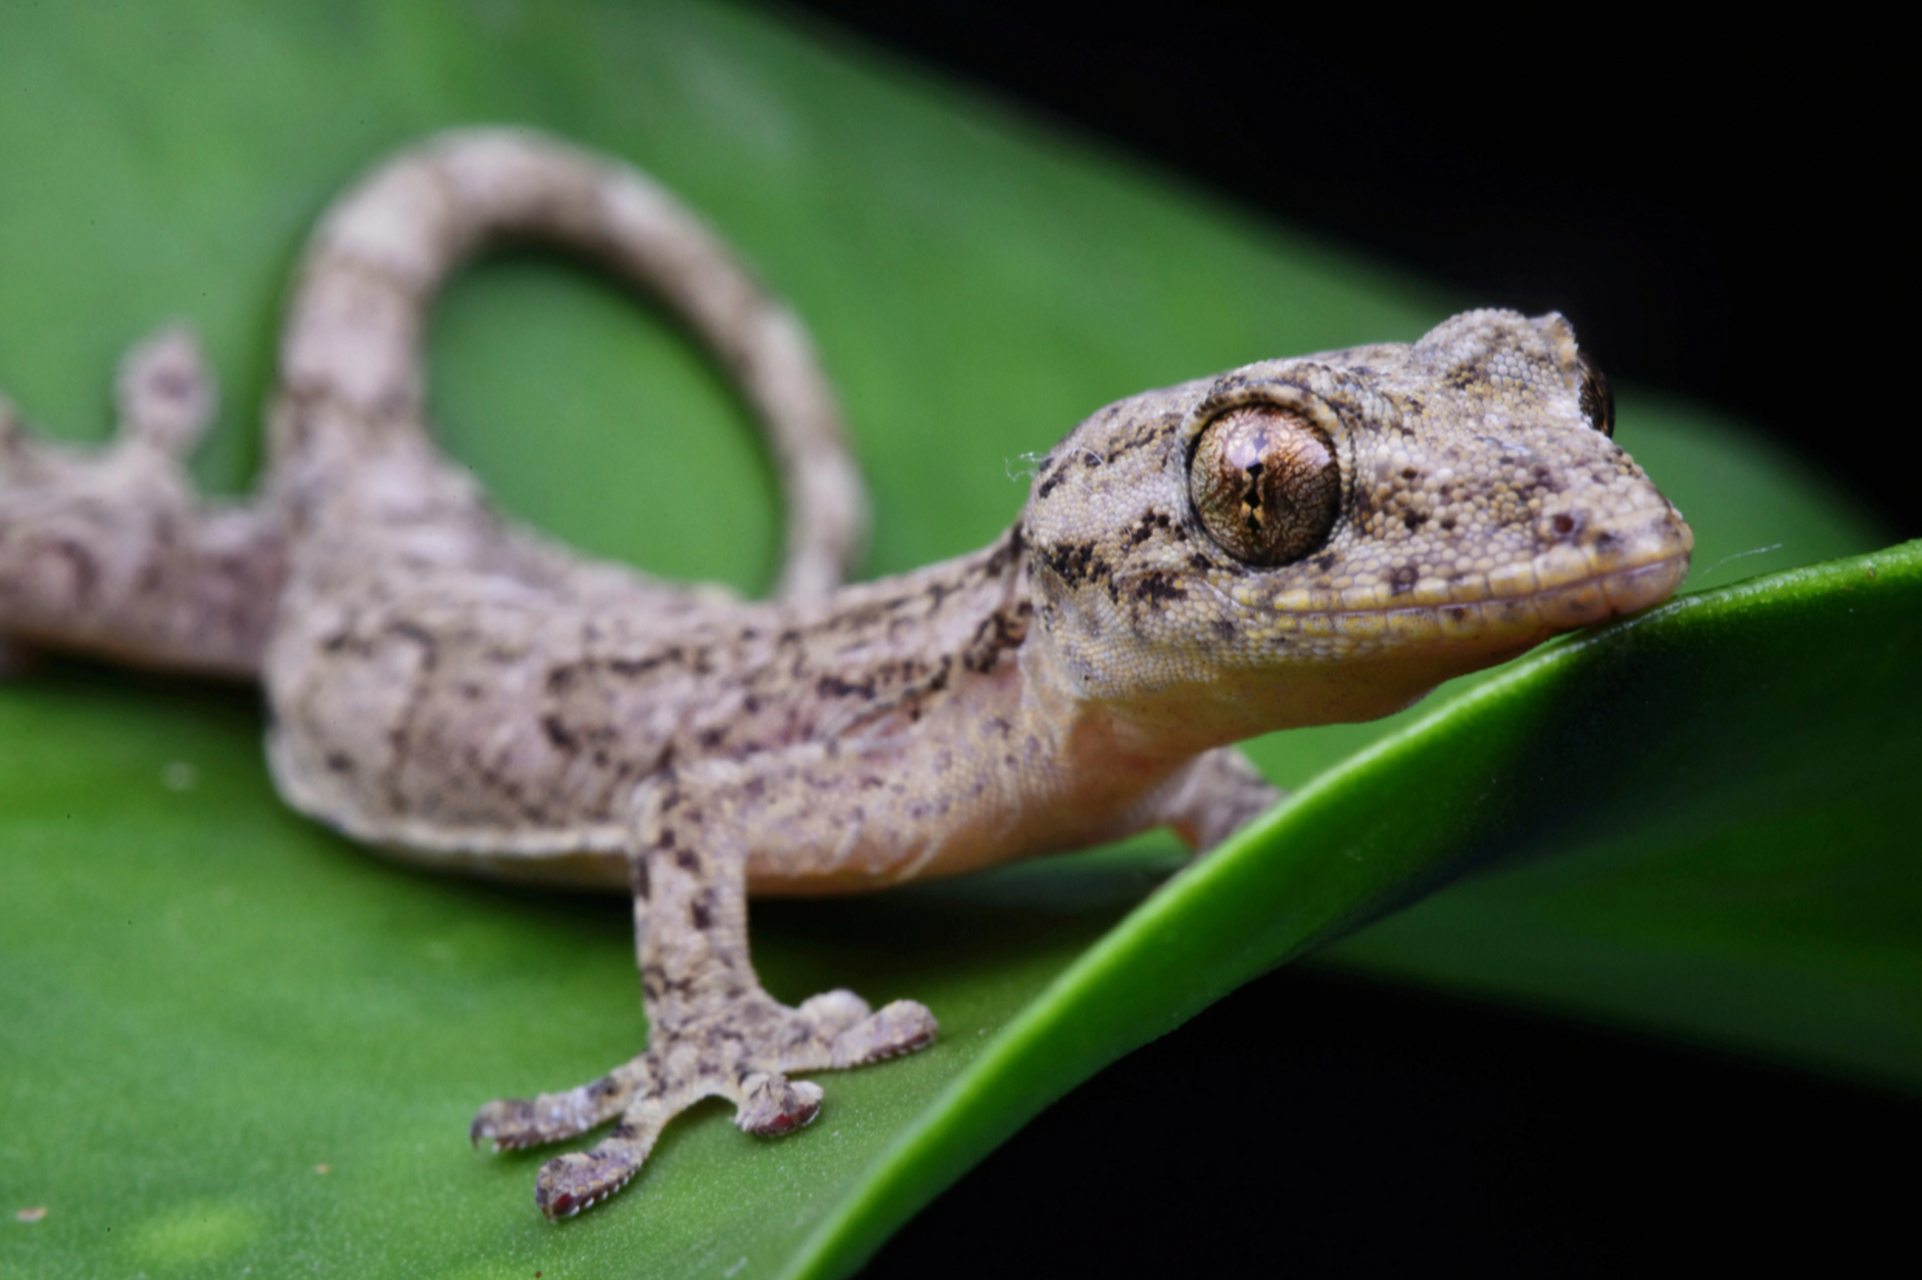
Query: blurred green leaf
point(231, 1039)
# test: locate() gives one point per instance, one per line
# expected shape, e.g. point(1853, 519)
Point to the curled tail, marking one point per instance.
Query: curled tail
point(351, 373)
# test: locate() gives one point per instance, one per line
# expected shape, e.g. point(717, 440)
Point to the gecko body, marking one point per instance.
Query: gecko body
point(1290, 543)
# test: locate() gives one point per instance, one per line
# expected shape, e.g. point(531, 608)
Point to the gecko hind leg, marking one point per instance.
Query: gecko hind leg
point(164, 401)
point(110, 549)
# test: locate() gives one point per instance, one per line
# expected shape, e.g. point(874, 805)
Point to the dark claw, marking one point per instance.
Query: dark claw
point(779, 1105)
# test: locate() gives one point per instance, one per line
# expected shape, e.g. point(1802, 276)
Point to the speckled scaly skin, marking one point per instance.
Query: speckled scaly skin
point(1291, 543)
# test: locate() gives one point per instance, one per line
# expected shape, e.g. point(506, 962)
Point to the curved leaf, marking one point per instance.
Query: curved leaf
point(1723, 729)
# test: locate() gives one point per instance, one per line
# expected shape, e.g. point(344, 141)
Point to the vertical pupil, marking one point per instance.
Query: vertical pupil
point(1252, 498)
point(1264, 483)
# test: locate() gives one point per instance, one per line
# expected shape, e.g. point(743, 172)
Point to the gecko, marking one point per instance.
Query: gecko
point(1294, 542)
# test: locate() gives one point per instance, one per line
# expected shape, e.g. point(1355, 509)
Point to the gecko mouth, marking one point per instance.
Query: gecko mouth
point(1559, 591)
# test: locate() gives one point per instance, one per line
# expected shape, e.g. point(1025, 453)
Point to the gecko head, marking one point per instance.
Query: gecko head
point(1327, 538)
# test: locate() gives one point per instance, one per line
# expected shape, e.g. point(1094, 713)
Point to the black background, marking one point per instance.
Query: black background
point(1721, 211)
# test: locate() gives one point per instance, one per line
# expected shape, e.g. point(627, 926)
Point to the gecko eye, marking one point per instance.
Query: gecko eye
point(1265, 483)
point(1598, 402)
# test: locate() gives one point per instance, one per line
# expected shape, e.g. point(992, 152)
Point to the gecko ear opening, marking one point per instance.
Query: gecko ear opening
point(1265, 484)
point(1597, 398)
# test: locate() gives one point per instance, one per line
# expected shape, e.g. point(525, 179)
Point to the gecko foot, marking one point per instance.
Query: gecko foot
point(165, 391)
point(743, 1052)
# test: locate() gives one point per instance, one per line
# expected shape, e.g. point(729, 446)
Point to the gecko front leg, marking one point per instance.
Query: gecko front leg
point(1217, 795)
point(712, 1030)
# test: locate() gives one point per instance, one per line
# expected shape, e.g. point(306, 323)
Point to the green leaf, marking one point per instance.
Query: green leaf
point(1747, 877)
point(234, 1040)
